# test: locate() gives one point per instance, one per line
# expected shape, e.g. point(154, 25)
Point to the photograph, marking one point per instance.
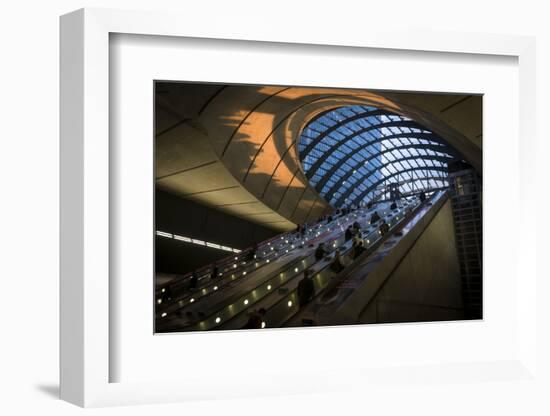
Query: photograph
point(298, 206)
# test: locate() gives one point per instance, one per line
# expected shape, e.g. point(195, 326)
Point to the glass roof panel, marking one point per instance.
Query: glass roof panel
point(350, 152)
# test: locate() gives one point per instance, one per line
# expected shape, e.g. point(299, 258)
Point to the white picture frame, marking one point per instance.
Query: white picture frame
point(86, 164)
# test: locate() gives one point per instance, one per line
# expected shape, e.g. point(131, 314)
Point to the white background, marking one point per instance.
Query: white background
point(29, 209)
point(140, 60)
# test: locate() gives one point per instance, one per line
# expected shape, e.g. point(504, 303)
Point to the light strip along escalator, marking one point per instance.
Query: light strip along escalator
point(237, 267)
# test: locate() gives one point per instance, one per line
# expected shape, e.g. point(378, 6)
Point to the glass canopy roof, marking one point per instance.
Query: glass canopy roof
point(352, 155)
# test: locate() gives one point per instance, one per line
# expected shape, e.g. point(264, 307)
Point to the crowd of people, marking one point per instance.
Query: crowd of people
point(352, 232)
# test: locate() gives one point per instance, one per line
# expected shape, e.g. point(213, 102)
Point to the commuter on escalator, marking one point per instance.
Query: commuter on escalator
point(422, 196)
point(393, 206)
point(194, 280)
point(306, 288)
point(320, 251)
point(215, 272)
point(349, 233)
point(337, 265)
point(358, 246)
point(252, 253)
point(384, 228)
point(255, 319)
point(374, 217)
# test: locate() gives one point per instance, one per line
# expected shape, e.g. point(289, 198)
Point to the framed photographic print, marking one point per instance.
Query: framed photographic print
point(316, 187)
point(291, 208)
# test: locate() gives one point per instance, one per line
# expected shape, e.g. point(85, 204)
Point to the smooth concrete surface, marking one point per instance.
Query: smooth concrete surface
point(464, 113)
point(187, 166)
point(425, 285)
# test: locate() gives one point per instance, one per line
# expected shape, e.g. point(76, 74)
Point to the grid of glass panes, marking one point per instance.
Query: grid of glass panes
point(351, 153)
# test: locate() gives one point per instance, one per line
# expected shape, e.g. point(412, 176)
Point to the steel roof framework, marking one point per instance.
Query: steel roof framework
point(349, 152)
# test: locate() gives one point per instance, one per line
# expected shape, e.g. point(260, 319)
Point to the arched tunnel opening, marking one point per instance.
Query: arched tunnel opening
point(358, 155)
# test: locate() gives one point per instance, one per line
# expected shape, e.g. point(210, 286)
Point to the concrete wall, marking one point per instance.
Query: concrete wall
point(425, 284)
point(187, 218)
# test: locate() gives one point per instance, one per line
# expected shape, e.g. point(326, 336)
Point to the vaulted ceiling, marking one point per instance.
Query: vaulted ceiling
point(235, 148)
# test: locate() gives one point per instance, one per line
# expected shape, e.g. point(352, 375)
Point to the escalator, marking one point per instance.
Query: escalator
point(269, 281)
point(354, 296)
point(286, 310)
point(247, 281)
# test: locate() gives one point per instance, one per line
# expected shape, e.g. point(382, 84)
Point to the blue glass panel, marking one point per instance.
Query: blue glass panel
point(351, 165)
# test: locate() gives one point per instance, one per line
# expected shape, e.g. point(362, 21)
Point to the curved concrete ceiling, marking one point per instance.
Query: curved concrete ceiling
point(233, 147)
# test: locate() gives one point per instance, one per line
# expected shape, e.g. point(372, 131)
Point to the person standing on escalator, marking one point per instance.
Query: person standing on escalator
point(384, 228)
point(194, 280)
point(348, 235)
point(256, 319)
point(356, 228)
point(320, 251)
point(306, 288)
point(375, 217)
point(215, 272)
point(337, 264)
point(358, 246)
point(251, 255)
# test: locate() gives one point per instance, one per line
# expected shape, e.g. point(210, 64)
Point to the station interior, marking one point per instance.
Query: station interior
point(287, 206)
